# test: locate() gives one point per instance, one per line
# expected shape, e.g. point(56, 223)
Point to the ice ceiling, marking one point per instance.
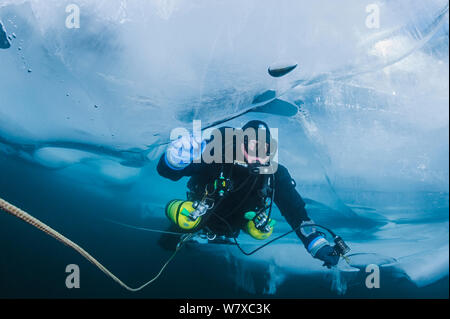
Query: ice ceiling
point(374, 98)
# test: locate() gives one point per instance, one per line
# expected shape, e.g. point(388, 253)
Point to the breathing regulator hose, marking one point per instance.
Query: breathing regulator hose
point(17, 212)
point(340, 247)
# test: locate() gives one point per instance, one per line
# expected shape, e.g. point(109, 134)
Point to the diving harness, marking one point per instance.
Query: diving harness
point(191, 214)
point(259, 226)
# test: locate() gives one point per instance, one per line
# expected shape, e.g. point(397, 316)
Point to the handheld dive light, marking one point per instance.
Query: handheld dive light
point(340, 247)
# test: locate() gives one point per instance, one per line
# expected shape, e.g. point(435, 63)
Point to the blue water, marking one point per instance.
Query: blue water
point(85, 114)
point(33, 264)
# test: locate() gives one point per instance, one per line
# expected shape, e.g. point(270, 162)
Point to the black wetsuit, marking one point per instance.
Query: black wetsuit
point(244, 195)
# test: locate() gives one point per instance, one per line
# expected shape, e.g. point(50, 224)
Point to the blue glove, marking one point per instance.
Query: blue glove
point(321, 249)
point(182, 151)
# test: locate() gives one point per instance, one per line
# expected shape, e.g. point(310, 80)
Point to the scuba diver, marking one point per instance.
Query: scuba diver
point(236, 191)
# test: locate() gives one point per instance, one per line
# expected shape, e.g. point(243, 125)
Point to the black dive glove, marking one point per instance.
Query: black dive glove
point(327, 255)
point(320, 248)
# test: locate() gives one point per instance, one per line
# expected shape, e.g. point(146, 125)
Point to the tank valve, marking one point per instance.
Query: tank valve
point(201, 208)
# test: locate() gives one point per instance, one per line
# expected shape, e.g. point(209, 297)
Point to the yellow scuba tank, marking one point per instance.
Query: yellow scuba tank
point(253, 231)
point(179, 212)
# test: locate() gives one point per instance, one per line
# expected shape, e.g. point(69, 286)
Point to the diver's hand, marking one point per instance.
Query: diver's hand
point(328, 256)
point(182, 151)
point(321, 249)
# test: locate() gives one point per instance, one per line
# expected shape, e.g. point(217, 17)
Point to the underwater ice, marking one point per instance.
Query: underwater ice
point(369, 147)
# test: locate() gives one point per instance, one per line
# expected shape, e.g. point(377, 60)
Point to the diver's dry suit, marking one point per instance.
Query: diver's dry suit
point(246, 194)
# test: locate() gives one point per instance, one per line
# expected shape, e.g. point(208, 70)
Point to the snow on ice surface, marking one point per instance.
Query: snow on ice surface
point(374, 104)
